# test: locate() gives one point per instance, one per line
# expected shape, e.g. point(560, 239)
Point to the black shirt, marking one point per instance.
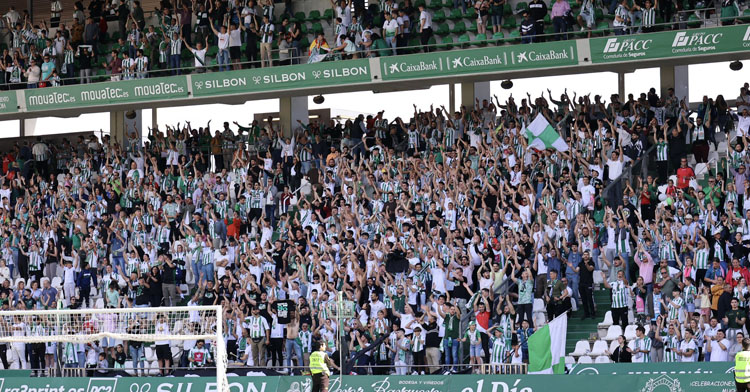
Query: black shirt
point(432, 335)
point(459, 291)
point(586, 276)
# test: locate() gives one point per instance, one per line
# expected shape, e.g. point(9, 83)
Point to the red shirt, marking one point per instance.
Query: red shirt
point(483, 319)
point(684, 174)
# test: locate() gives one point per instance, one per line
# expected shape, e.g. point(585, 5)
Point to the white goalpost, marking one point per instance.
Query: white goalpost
point(147, 325)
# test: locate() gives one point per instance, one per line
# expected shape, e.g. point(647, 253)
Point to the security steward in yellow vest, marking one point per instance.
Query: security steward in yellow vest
point(319, 363)
point(742, 367)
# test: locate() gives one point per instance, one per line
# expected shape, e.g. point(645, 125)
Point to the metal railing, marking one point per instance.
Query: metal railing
point(503, 368)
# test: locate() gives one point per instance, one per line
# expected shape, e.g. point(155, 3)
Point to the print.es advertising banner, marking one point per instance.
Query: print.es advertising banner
point(281, 78)
point(715, 40)
point(97, 94)
point(490, 59)
point(8, 102)
point(723, 382)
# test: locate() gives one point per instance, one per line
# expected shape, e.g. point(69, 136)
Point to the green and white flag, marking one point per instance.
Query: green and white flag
point(547, 347)
point(542, 135)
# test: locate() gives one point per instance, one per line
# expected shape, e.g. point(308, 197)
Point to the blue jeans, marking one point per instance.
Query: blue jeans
point(118, 261)
point(450, 347)
point(293, 348)
point(573, 280)
point(174, 64)
point(208, 272)
point(222, 57)
point(137, 355)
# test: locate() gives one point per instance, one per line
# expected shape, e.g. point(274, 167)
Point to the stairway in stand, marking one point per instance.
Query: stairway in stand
point(581, 329)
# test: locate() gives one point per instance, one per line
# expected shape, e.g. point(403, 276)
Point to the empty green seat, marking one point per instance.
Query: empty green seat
point(510, 23)
point(299, 17)
point(547, 19)
point(514, 36)
point(446, 42)
point(303, 28)
point(480, 39)
point(694, 21)
point(521, 6)
point(418, 3)
point(459, 28)
point(317, 28)
point(443, 29)
point(438, 16)
point(471, 13)
point(473, 27)
point(313, 16)
point(328, 14)
point(598, 14)
point(507, 9)
point(498, 37)
point(456, 14)
point(464, 40)
point(435, 4)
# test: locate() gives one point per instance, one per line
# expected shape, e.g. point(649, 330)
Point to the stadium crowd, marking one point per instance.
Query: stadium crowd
point(112, 39)
point(440, 233)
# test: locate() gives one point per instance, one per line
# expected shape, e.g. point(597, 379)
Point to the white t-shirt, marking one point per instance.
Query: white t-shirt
point(743, 126)
point(717, 354)
point(390, 27)
point(200, 57)
point(685, 346)
point(162, 329)
point(345, 14)
point(235, 38)
point(425, 18)
point(223, 40)
point(615, 168)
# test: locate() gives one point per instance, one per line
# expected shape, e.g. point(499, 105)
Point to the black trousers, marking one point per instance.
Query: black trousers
point(4, 355)
point(587, 297)
point(37, 356)
point(741, 387)
point(620, 317)
point(276, 348)
point(425, 38)
point(320, 382)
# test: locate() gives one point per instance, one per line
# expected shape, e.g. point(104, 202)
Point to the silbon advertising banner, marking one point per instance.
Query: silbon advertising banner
point(457, 383)
point(490, 59)
point(715, 40)
point(281, 78)
point(109, 93)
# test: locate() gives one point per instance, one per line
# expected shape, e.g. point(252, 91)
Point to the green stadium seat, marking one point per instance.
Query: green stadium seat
point(212, 50)
point(471, 13)
point(313, 16)
point(480, 39)
point(448, 3)
point(514, 36)
point(459, 28)
point(299, 17)
point(443, 29)
point(328, 14)
point(435, 4)
point(520, 6)
point(498, 37)
point(418, 3)
point(377, 21)
point(598, 14)
point(456, 14)
point(510, 23)
point(414, 45)
point(602, 28)
point(381, 48)
point(317, 28)
point(507, 9)
point(303, 28)
point(304, 43)
point(446, 43)
point(473, 27)
point(438, 16)
point(547, 19)
point(746, 15)
point(464, 40)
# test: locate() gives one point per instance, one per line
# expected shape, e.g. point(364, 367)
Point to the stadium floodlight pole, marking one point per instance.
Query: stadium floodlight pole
point(89, 325)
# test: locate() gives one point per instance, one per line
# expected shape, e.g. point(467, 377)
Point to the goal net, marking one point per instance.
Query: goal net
point(164, 332)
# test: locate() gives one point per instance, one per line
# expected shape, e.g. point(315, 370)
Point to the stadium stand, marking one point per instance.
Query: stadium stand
point(443, 234)
point(303, 34)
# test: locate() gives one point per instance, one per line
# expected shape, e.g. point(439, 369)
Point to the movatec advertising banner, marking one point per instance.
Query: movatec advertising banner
point(475, 61)
point(281, 78)
point(109, 93)
point(715, 40)
point(651, 382)
point(8, 102)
